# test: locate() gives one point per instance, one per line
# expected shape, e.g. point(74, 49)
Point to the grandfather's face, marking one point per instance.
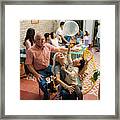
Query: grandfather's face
point(39, 40)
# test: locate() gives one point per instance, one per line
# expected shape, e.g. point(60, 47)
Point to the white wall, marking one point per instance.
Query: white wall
point(88, 25)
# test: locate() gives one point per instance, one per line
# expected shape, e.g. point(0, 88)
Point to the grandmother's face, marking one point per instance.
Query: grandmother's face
point(60, 57)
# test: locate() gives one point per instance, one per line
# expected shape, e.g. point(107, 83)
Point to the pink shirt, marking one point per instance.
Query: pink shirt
point(39, 58)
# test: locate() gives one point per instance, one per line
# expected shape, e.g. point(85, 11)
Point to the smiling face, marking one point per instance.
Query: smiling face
point(39, 40)
point(60, 57)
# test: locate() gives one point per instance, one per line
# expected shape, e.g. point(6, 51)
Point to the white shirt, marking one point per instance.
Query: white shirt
point(59, 32)
point(98, 33)
point(86, 40)
point(55, 42)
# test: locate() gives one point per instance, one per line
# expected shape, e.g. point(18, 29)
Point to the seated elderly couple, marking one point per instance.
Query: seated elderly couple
point(38, 63)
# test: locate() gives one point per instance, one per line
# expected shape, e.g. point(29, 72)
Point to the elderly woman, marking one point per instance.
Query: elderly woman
point(67, 74)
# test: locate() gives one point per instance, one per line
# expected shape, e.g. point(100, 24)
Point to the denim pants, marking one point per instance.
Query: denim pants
point(67, 96)
point(43, 83)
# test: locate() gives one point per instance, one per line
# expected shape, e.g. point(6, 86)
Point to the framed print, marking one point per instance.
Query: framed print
point(60, 59)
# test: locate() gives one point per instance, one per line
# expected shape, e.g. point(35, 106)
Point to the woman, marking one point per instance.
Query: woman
point(54, 39)
point(86, 39)
point(29, 39)
point(28, 42)
point(68, 77)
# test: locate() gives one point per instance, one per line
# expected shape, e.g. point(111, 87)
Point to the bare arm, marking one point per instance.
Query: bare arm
point(63, 49)
point(70, 88)
point(63, 39)
point(28, 44)
point(69, 56)
point(33, 71)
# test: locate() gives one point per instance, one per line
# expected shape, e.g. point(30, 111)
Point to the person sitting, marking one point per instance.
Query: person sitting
point(38, 61)
point(67, 76)
point(47, 38)
point(28, 43)
point(54, 39)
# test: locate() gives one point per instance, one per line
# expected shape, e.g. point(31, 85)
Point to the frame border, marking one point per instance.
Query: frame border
point(53, 2)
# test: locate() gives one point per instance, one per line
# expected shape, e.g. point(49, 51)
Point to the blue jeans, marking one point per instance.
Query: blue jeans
point(43, 83)
point(67, 96)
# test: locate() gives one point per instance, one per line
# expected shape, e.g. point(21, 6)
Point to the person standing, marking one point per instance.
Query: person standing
point(28, 43)
point(60, 33)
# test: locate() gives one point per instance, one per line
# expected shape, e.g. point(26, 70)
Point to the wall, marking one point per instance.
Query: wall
point(43, 26)
point(88, 25)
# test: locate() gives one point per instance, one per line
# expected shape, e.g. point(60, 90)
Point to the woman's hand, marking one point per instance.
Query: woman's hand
point(71, 88)
point(63, 67)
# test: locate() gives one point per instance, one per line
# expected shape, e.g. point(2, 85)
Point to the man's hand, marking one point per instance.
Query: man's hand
point(77, 49)
point(38, 76)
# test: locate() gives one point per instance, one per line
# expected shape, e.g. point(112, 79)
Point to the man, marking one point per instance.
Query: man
point(60, 34)
point(38, 61)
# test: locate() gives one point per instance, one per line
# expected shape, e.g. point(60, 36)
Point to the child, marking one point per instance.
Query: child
point(72, 73)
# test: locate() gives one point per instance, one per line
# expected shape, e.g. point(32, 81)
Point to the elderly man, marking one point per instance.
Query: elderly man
point(38, 59)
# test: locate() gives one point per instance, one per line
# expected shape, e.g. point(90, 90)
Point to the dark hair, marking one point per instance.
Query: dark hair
point(30, 35)
point(52, 35)
point(62, 23)
point(86, 33)
point(82, 63)
point(46, 35)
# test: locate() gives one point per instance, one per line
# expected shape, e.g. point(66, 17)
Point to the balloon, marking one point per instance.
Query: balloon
point(70, 28)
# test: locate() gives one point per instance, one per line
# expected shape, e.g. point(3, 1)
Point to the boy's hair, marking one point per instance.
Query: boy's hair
point(62, 23)
point(82, 63)
point(52, 33)
point(46, 35)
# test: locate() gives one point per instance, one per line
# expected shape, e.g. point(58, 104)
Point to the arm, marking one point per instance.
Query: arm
point(28, 44)
point(60, 49)
point(63, 39)
point(69, 56)
point(73, 73)
point(29, 61)
point(33, 71)
point(70, 88)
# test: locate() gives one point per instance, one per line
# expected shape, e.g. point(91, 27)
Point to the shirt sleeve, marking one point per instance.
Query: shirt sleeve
point(57, 70)
point(52, 48)
point(29, 57)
